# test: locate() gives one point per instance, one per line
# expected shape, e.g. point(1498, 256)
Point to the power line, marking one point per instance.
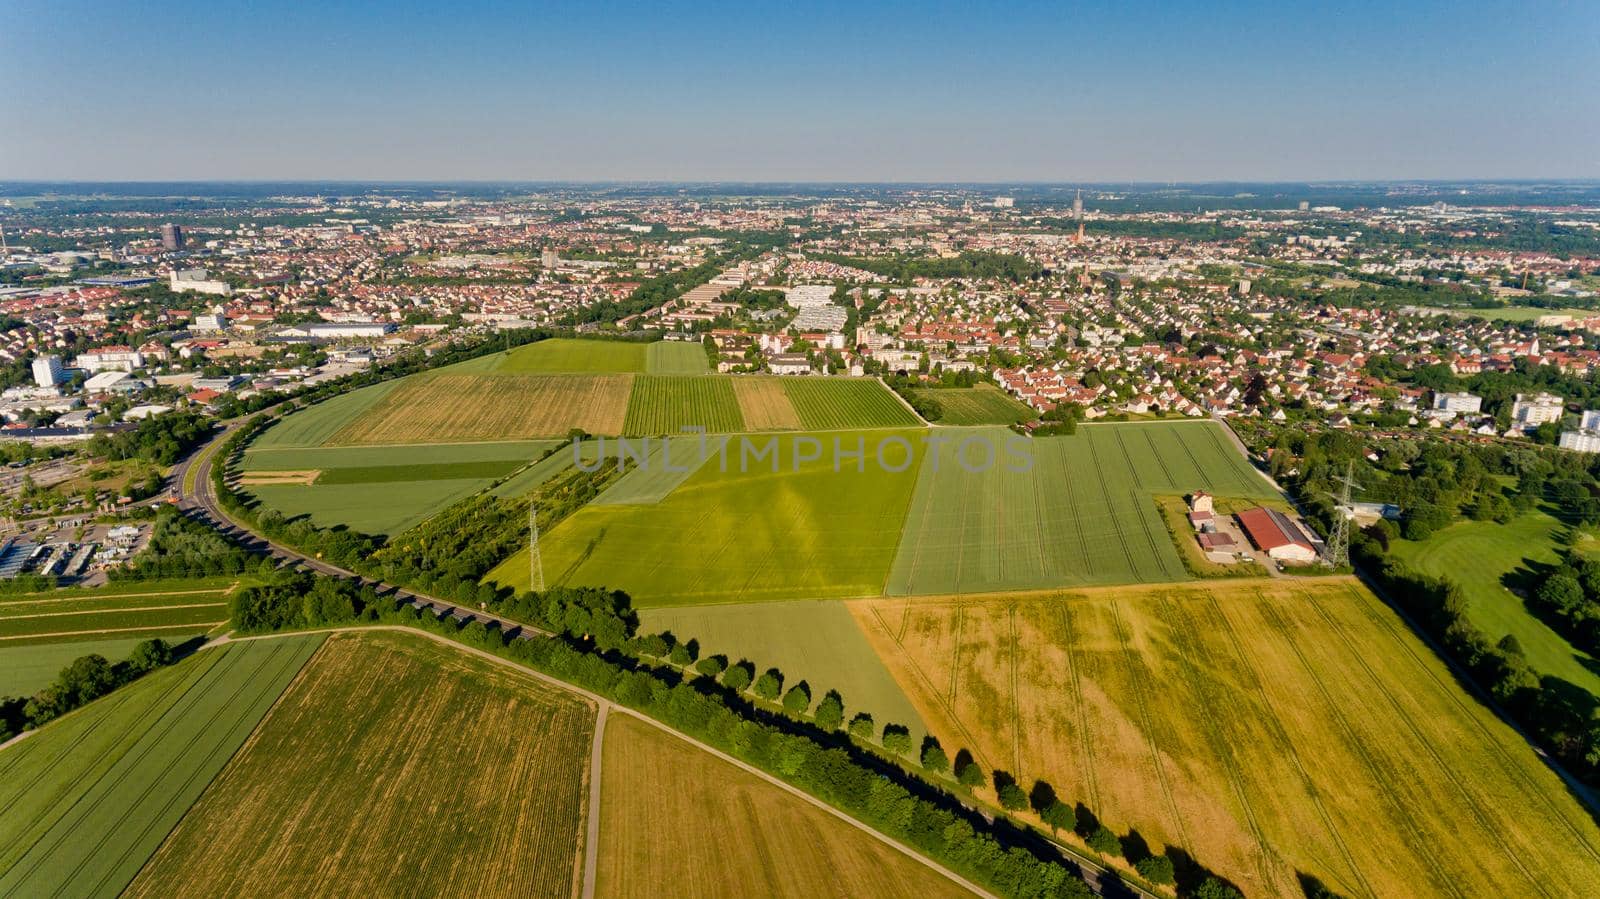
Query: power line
point(535, 562)
point(1339, 540)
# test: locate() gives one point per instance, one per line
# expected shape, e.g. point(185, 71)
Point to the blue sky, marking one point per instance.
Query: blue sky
point(1150, 91)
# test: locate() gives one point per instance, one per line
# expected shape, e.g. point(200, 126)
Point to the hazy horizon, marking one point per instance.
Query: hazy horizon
point(830, 93)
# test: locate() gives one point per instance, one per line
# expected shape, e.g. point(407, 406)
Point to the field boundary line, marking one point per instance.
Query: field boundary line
point(37, 615)
point(1473, 802)
point(597, 700)
point(238, 721)
point(1016, 704)
point(933, 690)
point(1286, 742)
point(117, 630)
point(591, 841)
point(1500, 751)
point(220, 591)
point(224, 665)
point(1424, 848)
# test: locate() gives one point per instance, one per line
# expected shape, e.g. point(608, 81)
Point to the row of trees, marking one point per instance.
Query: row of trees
point(1568, 596)
point(85, 679)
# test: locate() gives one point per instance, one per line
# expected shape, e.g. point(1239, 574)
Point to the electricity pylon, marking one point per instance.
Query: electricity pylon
point(535, 563)
point(1339, 540)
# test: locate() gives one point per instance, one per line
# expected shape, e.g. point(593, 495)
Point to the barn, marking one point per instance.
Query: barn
point(1275, 534)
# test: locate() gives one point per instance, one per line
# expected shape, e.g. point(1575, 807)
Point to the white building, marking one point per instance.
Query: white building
point(105, 381)
point(110, 358)
point(1532, 410)
point(1586, 440)
point(211, 321)
point(349, 329)
point(48, 371)
point(195, 280)
point(790, 364)
point(1457, 403)
point(1591, 420)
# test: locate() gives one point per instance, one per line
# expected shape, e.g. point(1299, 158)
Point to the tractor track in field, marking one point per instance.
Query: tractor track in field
point(1080, 707)
point(1382, 773)
point(1506, 765)
point(1287, 744)
point(1146, 726)
point(1220, 747)
point(1473, 803)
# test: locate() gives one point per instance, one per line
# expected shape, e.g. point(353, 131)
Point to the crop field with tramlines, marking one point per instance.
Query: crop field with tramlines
point(87, 799)
point(395, 765)
point(830, 403)
point(666, 404)
point(1270, 728)
point(981, 405)
point(449, 408)
point(1082, 513)
point(658, 796)
point(770, 531)
point(167, 609)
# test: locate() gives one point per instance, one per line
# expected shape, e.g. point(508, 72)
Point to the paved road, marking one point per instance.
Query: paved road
point(201, 501)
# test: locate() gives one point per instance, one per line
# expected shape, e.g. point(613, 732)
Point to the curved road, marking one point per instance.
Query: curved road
point(200, 501)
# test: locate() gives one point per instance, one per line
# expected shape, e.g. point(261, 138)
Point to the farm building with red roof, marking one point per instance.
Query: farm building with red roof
point(1275, 534)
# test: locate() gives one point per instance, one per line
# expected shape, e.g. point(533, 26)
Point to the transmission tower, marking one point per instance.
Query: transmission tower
point(1339, 540)
point(535, 563)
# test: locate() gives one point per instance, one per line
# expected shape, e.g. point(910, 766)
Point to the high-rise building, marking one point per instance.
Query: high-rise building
point(171, 237)
point(1077, 206)
point(549, 258)
point(1305, 206)
point(47, 371)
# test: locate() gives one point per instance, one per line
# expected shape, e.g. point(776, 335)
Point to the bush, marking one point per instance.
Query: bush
point(797, 700)
point(1012, 798)
point(830, 711)
point(862, 726)
point(1157, 869)
point(1104, 841)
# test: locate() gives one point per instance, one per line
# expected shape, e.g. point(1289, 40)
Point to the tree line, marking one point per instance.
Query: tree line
point(83, 680)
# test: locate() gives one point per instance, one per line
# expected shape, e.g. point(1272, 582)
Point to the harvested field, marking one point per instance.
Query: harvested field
point(281, 478)
point(1267, 727)
point(396, 765)
point(765, 405)
point(659, 794)
point(447, 408)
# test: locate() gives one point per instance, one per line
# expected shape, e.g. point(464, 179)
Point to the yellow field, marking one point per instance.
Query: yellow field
point(279, 478)
point(765, 405)
point(675, 820)
point(1268, 728)
point(393, 765)
point(448, 408)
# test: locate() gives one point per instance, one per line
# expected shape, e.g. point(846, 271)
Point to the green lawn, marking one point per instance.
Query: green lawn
point(1083, 511)
point(815, 641)
point(1477, 554)
point(89, 797)
point(663, 405)
point(833, 403)
point(981, 405)
point(729, 536)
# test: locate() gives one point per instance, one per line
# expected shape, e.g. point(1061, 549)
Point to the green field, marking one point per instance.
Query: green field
point(382, 489)
point(26, 669)
point(666, 404)
point(371, 508)
point(667, 464)
point(584, 356)
point(731, 536)
point(1520, 313)
point(543, 470)
point(981, 405)
point(673, 357)
point(87, 799)
point(166, 609)
point(396, 766)
point(812, 640)
point(1083, 513)
point(314, 425)
point(1476, 555)
point(825, 404)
